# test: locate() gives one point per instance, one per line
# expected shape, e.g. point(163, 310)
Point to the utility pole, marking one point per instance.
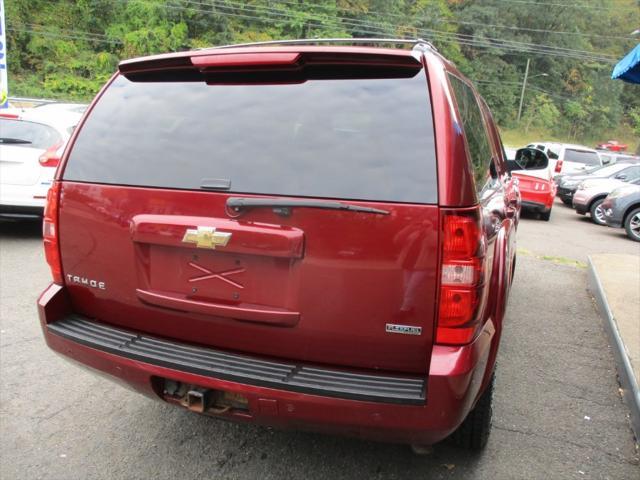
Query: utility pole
point(524, 85)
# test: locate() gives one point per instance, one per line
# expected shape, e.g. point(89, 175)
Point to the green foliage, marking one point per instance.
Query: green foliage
point(69, 48)
point(541, 113)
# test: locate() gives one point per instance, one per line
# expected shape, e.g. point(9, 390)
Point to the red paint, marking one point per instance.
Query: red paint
point(359, 264)
point(317, 287)
point(206, 62)
point(537, 190)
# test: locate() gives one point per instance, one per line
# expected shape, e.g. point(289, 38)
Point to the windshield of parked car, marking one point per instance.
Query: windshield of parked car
point(21, 133)
point(368, 139)
point(581, 156)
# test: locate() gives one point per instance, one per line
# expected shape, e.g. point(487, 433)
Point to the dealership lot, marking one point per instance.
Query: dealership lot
point(558, 413)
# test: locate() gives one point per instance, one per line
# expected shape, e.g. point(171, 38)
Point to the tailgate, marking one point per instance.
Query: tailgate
point(317, 286)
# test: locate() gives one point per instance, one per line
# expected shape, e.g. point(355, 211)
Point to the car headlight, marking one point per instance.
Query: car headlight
point(568, 184)
point(582, 186)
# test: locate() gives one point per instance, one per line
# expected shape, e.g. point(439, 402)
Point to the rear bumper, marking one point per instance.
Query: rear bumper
point(456, 379)
point(535, 206)
point(21, 210)
point(29, 198)
point(536, 200)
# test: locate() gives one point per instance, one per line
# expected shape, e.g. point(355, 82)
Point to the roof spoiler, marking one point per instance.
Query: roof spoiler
point(269, 59)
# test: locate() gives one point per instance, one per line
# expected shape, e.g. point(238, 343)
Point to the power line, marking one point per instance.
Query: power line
point(78, 32)
point(468, 40)
point(440, 36)
point(570, 5)
point(462, 22)
point(62, 35)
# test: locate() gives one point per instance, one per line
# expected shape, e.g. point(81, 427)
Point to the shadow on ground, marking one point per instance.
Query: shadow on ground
point(20, 228)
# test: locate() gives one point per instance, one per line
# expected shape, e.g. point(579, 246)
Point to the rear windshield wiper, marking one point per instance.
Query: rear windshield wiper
point(13, 140)
point(283, 206)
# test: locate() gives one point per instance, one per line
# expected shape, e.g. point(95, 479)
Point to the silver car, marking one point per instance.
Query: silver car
point(591, 193)
point(622, 209)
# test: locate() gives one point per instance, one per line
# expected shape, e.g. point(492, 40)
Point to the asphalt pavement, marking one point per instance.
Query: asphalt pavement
point(558, 413)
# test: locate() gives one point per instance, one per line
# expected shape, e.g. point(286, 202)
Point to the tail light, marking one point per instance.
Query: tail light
point(462, 277)
point(51, 156)
point(50, 233)
point(558, 168)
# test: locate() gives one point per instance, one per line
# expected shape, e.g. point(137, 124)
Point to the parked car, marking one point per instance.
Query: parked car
point(537, 188)
point(622, 210)
point(272, 234)
point(567, 158)
point(617, 157)
point(60, 107)
point(591, 193)
point(30, 148)
point(568, 185)
point(612, 145)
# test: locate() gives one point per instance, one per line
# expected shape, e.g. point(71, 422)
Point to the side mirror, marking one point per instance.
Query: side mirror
point(528, 159)
point(621, 176)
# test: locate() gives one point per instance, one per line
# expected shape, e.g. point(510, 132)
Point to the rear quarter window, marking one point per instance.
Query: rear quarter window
point(474, 129)
point(369, 139)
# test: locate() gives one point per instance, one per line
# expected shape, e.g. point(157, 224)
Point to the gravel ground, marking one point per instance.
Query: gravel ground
point(558, 413)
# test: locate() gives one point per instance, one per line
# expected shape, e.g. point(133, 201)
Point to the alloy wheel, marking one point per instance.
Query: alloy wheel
point(634, 225)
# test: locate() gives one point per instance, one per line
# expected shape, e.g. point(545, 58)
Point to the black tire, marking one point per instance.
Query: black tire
point(632, 224)
point(473, 434)
point(567, 202)
point(545, 216)
point(597, 214)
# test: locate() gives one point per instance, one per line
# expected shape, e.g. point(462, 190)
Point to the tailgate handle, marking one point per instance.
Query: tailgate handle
point(248, 313)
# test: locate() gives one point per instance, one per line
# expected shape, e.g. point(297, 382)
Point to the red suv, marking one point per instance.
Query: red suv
point(309, 236)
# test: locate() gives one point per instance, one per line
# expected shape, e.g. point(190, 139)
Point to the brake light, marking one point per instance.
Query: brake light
point(462, 277)
point(50, 233)
point(51, 156)
point(558, 168)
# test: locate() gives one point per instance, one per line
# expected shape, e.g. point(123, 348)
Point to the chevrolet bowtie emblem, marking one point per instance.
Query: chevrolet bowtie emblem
point(206, 237)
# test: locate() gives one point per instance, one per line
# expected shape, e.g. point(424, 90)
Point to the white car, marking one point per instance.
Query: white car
point(568, 158)
point(30, 149)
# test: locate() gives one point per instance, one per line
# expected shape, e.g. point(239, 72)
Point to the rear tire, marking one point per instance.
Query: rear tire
point(597, 213)
point(545, 216)
point(632, 225)
point(473, 434)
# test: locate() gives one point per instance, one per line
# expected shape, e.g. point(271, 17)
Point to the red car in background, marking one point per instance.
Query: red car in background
point(272, 234)
point(537, 189)
point(613, 146)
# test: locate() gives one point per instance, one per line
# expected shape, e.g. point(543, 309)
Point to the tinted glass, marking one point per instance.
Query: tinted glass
point(631, 173)
point(354, 139)
point(581, 156)
point(474, 129)
point(19, 133)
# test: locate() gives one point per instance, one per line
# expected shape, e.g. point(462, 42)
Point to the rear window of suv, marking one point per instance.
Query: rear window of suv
point(368, 139)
